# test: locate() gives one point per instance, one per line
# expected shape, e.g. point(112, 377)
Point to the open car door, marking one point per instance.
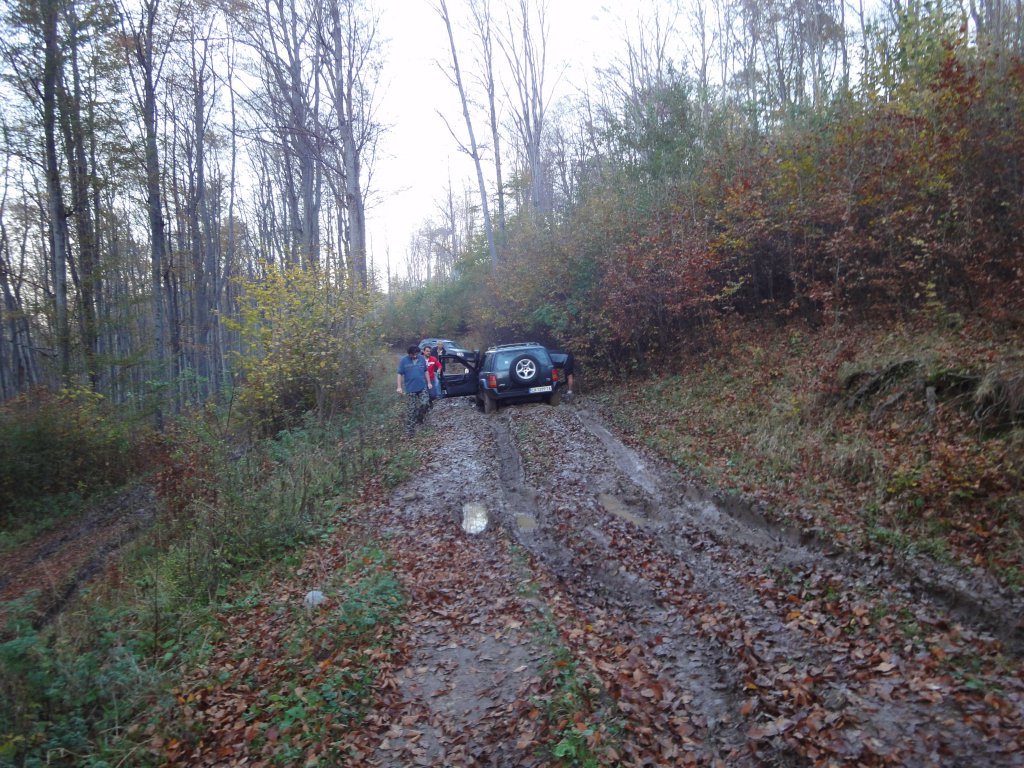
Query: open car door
point(459, 373)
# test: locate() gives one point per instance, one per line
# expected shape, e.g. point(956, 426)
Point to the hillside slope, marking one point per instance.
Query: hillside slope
point(907, 443)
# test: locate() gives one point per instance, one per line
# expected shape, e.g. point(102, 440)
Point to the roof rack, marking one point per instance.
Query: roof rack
point(518, 344)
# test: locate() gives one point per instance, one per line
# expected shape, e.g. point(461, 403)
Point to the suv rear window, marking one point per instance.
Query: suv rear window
point(503, 358)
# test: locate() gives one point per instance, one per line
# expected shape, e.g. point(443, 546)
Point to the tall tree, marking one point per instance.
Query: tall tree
point(455, 76)
point(52, 66)
point(146, 63)
point(86, 274)
point(282, 35)
point(196, 90)
point(18, 367)
point(525, 46)
point(349, 38)
point(482, 19)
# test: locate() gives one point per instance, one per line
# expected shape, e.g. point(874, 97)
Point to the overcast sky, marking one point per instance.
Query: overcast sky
point(418, 155)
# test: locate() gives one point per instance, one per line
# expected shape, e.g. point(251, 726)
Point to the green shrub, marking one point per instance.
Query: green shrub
point(65, 442)
point(58, 699)
point(306, 347)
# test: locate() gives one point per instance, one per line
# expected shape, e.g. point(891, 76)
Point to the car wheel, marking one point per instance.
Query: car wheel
point(556, 397)
point(479, 401)
point(490, 404)
point(524, 369)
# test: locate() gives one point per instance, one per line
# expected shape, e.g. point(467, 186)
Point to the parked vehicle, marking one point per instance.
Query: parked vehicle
point(507, 373)
point(449, 344)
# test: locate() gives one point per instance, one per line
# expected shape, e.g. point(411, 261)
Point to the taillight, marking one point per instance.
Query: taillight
point(492, 381)
point(554, 375)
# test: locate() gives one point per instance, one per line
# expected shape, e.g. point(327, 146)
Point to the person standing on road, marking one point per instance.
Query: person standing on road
point(433, 374)
point(412, 382)
point(569, 371)
point(439, 354)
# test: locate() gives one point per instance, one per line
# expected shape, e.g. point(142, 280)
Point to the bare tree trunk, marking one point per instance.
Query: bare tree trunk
point(279, 33)
point(347, 60)
point(527, 58)
point(702, 60)
point(143, 57)
point(482, 16)
point(348, 38)
point(19, 372)
point(87, 277)
point(472, 151)
point(223, 295)
point(201, 240)
point(303, 120)
point(55, 197)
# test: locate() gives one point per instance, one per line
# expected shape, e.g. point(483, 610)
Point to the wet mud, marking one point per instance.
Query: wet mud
point(760, 645)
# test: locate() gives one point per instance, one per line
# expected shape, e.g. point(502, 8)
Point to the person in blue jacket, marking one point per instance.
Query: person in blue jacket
point(412, 382)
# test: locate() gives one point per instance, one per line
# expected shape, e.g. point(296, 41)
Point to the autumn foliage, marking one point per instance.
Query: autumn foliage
point(884, 205)
point(306, 346)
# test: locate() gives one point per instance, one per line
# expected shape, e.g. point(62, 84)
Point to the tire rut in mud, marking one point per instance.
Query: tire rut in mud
point(57, 565)
point(632, 614)
point(971, 597)
point(696, 587)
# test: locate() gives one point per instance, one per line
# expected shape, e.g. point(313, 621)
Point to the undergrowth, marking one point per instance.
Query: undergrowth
point(77, 691)
point(318, 673)
point(56, 450)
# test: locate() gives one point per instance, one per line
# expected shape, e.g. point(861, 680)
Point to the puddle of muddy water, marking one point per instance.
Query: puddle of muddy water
point(526, 522)
point(615, 506)
point(474, 517)
point(625, 458)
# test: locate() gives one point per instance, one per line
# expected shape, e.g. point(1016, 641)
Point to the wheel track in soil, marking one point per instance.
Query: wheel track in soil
point(669, 651)
point(59, 563)
point(688, 586)
point(716, 555)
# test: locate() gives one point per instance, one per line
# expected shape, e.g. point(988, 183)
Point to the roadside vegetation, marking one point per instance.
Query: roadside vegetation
point(57, 449)
point(907, 441)
point(233, 515)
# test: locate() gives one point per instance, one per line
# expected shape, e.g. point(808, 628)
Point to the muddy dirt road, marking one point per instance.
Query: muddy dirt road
point(710, 638)
point(573, 602)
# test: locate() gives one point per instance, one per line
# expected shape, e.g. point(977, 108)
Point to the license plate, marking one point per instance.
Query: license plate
point(535, 390)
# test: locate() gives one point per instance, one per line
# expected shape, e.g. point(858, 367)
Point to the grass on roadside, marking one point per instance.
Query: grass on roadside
point(319, 680)
point(75, 691)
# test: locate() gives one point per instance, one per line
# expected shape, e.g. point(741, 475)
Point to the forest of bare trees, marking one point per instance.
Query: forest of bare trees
point(154, 158)
point(162, 156)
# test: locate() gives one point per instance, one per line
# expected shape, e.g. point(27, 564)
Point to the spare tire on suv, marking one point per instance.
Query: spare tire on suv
point(524, 369)
point(505, 373)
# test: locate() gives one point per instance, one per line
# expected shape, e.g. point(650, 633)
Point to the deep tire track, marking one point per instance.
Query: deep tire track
point(691, 556)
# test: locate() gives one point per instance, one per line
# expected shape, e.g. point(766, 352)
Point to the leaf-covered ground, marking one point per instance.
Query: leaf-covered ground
point(904, 440)
point(608, 614)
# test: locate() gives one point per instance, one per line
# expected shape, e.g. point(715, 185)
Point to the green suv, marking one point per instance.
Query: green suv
point(507, 373)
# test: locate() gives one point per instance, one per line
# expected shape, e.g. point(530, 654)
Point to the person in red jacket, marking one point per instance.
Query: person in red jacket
point(433, 373)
